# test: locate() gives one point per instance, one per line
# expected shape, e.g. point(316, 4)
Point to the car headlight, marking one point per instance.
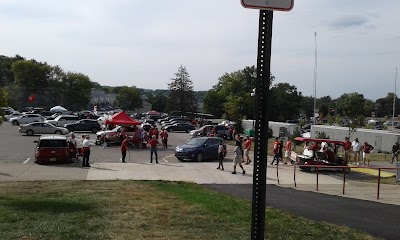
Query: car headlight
point(178, 149)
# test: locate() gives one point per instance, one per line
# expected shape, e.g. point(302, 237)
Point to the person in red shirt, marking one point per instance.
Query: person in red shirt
point(288, 150)
point(164, 138)
point(347, 148)
point(276, 147)
point(366, 150)
point(247, 146)
point(151, 132)
point(156, 133)
point(153, 148)
point(124, 148)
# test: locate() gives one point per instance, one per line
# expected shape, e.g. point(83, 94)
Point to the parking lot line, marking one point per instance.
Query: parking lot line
point(164, 158)
point(27, 160)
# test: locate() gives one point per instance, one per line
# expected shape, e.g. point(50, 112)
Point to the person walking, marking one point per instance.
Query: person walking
point(156, 133)
point(239, 143)
point(124, 148)
point(281, 151)
point(238, 160)
point(395, 152)
point(221, 151)
point(356, 147)
point(347, 148)
point(153, 148)
point(276, 151)
point(288, 150)
point(366, 150)
point(164, 138)
point(86, 151)
point(247, 146)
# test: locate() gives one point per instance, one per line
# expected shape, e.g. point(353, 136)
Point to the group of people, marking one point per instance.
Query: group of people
point(241, 151)
point(358, 150)
point(278, 151)
point(85, 150)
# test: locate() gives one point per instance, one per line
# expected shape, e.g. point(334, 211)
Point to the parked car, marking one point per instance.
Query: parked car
point(199, 149)
point(149, 121)
point(145, 126)
point(41, 128)
point(12, 115)
point(222, 131)
point(26, 118)
point(114, 135)
point(61, 120)
point(51, 149)
point(84, 125)
point(179, 127)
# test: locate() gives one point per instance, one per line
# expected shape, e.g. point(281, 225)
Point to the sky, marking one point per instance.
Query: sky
point(142, 43)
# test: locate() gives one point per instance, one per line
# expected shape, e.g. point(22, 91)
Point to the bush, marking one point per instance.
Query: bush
point(322, 135)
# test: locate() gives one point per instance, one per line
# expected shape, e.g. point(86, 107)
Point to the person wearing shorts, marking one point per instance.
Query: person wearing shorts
point(237, 159)
point(356, 148)
point(247, 146)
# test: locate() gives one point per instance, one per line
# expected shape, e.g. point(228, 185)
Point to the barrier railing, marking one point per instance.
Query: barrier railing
point(317, 167)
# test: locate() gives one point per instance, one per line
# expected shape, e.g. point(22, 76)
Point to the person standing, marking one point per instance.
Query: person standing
point(221, 151)
point(156, 133)
point(276, 151)
point(356, 147)
point(366, 150)
point(124, 148)
point(288, 150)
point(247, 146)
point(237, 159)
point(153, 148)
point(164, 138)
point(347, 148)
point(86, 151)
point(281, 151)
point(395, 152)
point(73, 147)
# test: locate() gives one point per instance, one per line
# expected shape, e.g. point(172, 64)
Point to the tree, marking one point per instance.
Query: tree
point(181, 97)
point(129, 98)
point(352, 105)
point(158, 101)
point(76, 92)
point(323, 111)
point(3, 103)
point(212, 103)
point(285, 102)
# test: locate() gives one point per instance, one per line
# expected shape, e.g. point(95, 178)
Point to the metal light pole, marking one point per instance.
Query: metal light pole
point(315, 79)
point(394, 100)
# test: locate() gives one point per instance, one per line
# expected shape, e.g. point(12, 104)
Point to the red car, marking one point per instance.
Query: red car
point(322, 153)
point(52, 149)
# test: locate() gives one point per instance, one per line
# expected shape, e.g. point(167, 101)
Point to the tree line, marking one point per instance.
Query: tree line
point(230, 98)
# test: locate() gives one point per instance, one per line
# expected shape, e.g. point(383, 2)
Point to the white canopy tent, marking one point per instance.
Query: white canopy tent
point(58, 109)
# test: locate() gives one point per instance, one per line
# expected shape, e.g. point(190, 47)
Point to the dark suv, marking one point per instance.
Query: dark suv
point(84, 125)
point(199, 149)
point(51, 149)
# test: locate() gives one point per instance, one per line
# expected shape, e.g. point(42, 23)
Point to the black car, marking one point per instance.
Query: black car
point(179, 127)
point(84, 125)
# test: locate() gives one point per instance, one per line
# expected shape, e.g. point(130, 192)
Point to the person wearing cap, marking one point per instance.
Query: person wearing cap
point(366, 149)
point(86, 151)
point(356, 147)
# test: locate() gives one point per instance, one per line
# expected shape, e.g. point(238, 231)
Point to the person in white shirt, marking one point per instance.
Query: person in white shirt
point(86, 151)
point(356, 148)
point(220, 156)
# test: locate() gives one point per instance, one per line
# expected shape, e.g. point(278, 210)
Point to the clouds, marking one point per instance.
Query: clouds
point(142, 43)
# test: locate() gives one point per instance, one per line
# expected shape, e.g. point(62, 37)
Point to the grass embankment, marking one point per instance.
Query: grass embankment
point(141, 210)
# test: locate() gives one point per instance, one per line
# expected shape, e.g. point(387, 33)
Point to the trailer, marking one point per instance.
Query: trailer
point(279, 129)
point(381, 140)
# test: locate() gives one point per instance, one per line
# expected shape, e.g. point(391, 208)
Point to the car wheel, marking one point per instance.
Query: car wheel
point(312, 169)
point(347, 170)
point(94, 130)
point(58, 132)
point(199, 157)
point(187, 131)
point(15, 123)
point(29, 132)
point(70, 129)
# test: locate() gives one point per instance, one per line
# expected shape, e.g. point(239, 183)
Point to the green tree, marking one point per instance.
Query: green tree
point(76, 93)
point(285, 102)
point(323, 111)
point(159, 102)
point(181, 97)
point(352, 106)
point(129, 98)
point(3, 103)
point(212, 103)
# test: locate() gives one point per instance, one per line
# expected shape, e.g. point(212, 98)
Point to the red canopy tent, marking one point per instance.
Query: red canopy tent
point(122, 118)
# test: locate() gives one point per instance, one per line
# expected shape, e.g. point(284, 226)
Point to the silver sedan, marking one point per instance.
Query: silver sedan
point(41, 128)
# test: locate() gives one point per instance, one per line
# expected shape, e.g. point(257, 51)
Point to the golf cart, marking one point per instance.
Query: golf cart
point(323, 152)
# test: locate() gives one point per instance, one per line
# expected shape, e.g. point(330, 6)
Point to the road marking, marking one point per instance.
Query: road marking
point(164, 158)
point(27, 160)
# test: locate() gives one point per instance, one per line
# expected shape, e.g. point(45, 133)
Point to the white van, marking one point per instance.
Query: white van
point(61, 120)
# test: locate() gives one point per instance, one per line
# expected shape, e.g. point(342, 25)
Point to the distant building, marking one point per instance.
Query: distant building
point(102, 100)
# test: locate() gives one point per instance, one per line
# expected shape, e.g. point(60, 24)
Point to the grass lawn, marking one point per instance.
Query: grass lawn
point(141, 210)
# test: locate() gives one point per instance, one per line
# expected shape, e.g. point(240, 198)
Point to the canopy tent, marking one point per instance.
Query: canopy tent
point(122, 118)
point(152, 112)
point(58, 109)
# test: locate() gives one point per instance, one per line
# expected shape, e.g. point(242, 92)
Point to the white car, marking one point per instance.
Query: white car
point(12, 115)
point(26, 118)
point(61, 120)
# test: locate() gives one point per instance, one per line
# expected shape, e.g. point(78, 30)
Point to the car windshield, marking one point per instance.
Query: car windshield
point(196, 142)
point(53, 143)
